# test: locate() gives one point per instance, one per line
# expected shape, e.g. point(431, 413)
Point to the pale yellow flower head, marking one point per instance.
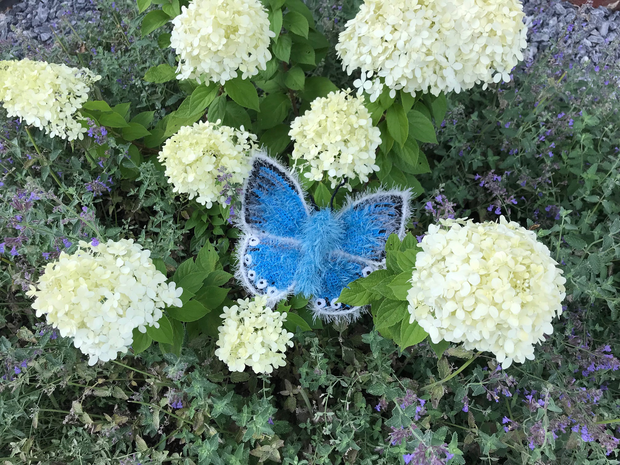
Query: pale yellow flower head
point(432, 45)
point(100, 294)
point(218, 39)
point(203, 159)
point(46, 95)
point(252, 335)
point(491, 286)
point(336, 139)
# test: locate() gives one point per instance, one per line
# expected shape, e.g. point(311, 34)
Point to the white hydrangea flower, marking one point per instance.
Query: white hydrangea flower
point(252, 335)
point(100, 294)
point(46, 95)
point(336, 138)
point(216, 38)
point(491, 286)
point(205, 159)
point(436, 45)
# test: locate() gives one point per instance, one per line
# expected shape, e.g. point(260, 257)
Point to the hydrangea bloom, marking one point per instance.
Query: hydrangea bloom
point(436, 45)
point(336, 137)
point(46, 95)
point(99, 294)
point(492, 286)
point(252, 335)
point(215, 38)
point(203, 159)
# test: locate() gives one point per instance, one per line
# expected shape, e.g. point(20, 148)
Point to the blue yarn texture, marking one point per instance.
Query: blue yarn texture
point(288, 247)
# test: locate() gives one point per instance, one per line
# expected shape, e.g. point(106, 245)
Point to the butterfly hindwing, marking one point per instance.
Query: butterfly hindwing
point(370, 220)
point(273, 202)
point(267, 265)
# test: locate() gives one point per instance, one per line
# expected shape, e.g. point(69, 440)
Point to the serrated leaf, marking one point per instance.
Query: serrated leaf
point(163, 40)
point(293, 321)
point(135, 131)
point(295, 78)
point(303, 54)
point(145, 118)
point(217, 278)
point(239, 377)
point(421, 128)
point(163, 333)
point(406, 260)
point(282, 48)
point(201, 98)
point(112, 120)
point(401, 285)
point(217, 109)
point(318, 86)
point(575, 242)
point(96, 105)
point(322, 195)
point(160, 74)
point(190, 311)
point(273, 110)
point(184, 269)
point(143, 5)
point(207, 258)
point(276, 139)
point(243, 92)
point(212, 296)
point(192, 282)
point(440, 347)
point(389, 313)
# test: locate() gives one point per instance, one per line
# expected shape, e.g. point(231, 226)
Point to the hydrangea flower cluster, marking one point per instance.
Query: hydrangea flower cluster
point(101, 293)
point(336, 136)
point(436, 45)
point(46, 95)
point(216, 38)
point(201, 160)
point(252, 335)
point(492, 286)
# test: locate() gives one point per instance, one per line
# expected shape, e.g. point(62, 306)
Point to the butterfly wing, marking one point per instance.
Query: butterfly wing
point(273, 201)
point(367, 222)
point(272, 215)
point(370, 220)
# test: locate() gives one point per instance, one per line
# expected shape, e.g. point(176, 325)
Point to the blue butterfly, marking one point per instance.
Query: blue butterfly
point(289, 248)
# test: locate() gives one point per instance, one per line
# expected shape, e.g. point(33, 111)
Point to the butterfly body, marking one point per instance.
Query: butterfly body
point(290, 248)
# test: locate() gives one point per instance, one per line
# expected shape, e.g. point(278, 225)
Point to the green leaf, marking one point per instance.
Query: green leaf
point(355, 294)
point(440, 347)
point(160, 265)
point(407, 154)
point(145, 118)
point(298, 301)
point(243, 92)
point(322, 195)
point(410, 334)
point(201, 98)
point(191, 311)
point(96, 105)
point(113, 120)
point(440, 106)
point(217, 278)
point(192, 282)
point(217, 109)
point(420, 127)
point(207, 258)
point(273, 110)
point(153, 20)
point(172, 9)
point(275, 22)
point(160, 74)
point(135, 131)
point(318, 86)
point(236, 116)
point(184, 269)
point(407, 100)
point(141, 341)
point(163, 333)
point(277, 4)
point(293, 321)
point(303, 54)
point(406, 259)
point(276, 139)
point(143, 5)
point(397, 123)
point(212, 296)
point(389, 313)
point(296, 23)
point(295, 78)
point(300, 7)
point(422, 166)
point(163, 40)
point(282, 48)
point(575, 242)
point(401, 284)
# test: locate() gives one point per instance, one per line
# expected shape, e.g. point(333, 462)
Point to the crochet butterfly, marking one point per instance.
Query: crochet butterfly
point(288, 247)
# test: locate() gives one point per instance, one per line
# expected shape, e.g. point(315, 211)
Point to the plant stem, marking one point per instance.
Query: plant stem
point(448, 378)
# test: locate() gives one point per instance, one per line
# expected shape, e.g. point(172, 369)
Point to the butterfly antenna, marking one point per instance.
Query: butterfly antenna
point(331, 202)
point(314, 205)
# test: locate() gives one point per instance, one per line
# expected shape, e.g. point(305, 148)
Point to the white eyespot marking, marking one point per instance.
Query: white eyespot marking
point(261, 284)
point(247, 259)
point(366, 271)
point(251, 275)
point(254, 241)
point(334, 304)
point(320, 303)
point(271, 291)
